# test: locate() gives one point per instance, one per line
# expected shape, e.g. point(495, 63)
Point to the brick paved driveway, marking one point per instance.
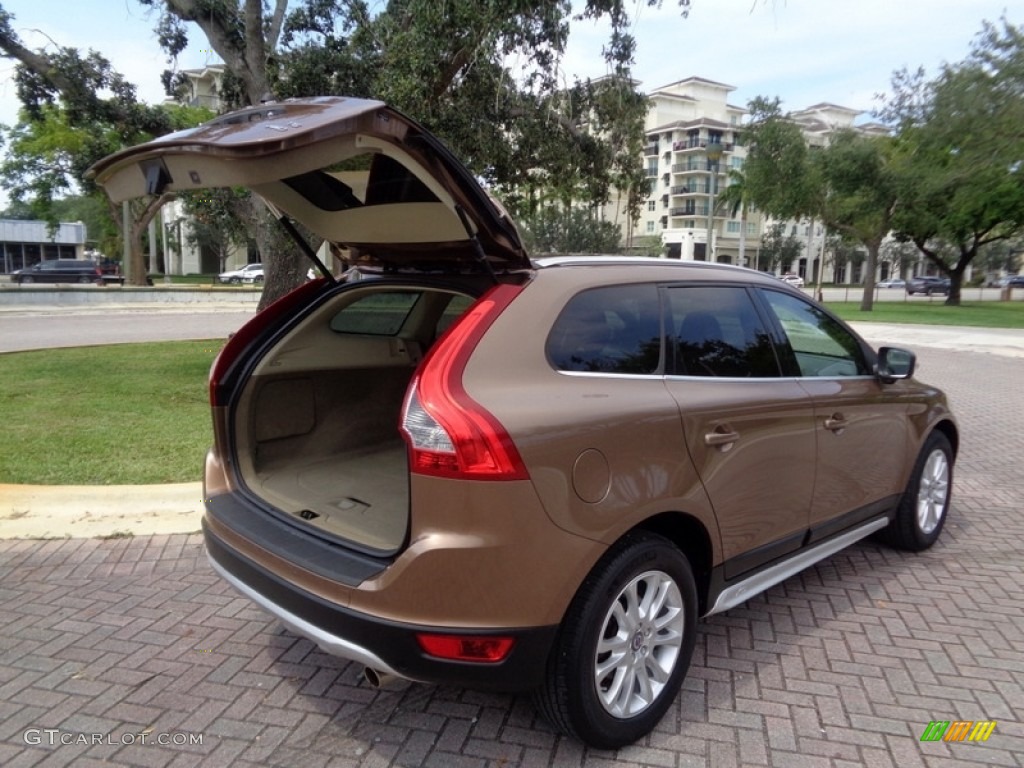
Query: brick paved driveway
point(133, 640)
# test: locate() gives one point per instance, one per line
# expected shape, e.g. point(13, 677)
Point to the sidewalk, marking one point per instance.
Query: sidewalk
point(36, 512)
point(1007, 342)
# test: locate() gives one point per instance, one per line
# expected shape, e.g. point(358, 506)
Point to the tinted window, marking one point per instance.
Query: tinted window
point(378, 314)
point(456, 307)
point(822, 346)
point(608, 330)
point(716, 331)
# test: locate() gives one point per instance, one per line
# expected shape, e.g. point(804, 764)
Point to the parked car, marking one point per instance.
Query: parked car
point(250, 273)
point(892, 282)
point(475, 468)
point(1015, 281)
point(928, 285)
point(59, 271)
point(795, 280)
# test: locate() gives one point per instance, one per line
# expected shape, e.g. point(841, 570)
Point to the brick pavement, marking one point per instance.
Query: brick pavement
point(842, 665)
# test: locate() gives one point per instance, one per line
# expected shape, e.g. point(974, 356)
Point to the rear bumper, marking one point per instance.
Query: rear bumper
point(384, 645)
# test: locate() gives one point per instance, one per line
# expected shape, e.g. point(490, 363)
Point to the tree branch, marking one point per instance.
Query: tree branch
point(276, 22)
point(226, 44)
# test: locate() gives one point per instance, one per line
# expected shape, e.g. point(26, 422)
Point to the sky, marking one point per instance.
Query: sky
point(803, 51)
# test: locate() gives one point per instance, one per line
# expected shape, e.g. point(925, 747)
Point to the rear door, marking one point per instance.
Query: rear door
point(749, 431)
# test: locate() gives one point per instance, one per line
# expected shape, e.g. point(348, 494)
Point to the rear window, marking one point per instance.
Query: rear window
point(421, 315)
point(716, 331)
point(616, 329)
point(376, 314)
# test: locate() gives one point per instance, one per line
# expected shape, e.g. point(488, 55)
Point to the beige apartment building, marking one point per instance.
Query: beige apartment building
point(694, 139)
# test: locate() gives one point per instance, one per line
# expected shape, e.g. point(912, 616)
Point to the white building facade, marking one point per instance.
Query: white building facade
point(694, 138)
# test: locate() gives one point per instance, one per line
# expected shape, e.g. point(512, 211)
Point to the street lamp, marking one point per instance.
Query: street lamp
point(713, 150)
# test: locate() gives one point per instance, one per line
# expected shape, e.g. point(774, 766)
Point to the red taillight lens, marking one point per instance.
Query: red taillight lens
point(244, 336)
point(448, 432)
point(466, 647)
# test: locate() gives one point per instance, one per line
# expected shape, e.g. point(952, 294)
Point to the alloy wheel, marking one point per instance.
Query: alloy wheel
point(933, 491)
point(640, 643)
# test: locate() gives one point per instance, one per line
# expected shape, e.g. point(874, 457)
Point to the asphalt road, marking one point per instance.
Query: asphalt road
point(36, 329)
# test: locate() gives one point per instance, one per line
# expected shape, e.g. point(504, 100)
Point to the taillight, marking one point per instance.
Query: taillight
point(244, 336)
point(448, 432)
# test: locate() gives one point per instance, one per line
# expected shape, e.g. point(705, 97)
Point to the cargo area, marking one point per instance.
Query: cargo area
point(317, 423)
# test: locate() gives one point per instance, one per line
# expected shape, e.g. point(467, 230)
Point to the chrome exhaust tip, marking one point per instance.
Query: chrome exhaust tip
point(383, 680)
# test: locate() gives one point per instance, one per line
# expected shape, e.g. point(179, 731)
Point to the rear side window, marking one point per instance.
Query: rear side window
point(456, 307)
point(616, 329)
point(376, 314)
point(716, 331)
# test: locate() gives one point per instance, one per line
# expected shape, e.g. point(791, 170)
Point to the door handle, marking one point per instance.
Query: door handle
point(837, 423)
point(722, 437)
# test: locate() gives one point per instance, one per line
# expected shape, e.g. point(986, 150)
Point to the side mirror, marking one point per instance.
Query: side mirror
point(895, 364)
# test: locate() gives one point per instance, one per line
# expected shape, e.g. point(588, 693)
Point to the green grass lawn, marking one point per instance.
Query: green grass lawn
point(126, 413)
point(982, 314)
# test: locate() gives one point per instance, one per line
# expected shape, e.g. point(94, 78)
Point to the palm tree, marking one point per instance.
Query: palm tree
point(736, 198)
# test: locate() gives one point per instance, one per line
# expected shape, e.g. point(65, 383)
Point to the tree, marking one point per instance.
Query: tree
point(778, 175)
point(569, 230)
point(860, 185)
point(446, 65)
point(850, 185)
point(961, 138)
point(217, 220)
point(735, 198)
point(899, 255)
point(76, 110)
point(778, 250)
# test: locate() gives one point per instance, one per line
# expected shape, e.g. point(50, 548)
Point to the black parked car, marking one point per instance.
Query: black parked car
point(60, 271)
point(928, 285)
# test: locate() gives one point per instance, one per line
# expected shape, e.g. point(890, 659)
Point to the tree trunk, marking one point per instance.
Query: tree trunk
point(867, 302)
point(284, 263)
point(137, 273)
point(743, 235)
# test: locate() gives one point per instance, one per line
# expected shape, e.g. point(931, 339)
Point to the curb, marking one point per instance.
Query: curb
point(104, 511)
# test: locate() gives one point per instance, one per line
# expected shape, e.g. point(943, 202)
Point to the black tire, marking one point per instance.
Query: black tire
point(925, 504)
point(84, 279)
point(579, 693)
point(235, 281)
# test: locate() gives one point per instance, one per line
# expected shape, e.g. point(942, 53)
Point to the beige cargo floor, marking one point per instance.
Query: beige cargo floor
point(362, 497)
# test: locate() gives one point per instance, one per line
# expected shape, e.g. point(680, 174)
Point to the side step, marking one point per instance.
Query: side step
point(753, 585)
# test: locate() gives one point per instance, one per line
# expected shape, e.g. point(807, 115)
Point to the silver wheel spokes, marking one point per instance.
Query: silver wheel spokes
point(639, 644)
point(932, 491)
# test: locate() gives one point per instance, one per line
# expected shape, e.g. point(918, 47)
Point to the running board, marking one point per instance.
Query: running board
point(732, 596)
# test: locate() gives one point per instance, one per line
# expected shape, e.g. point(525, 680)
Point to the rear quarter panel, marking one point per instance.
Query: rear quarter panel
point(604, 452)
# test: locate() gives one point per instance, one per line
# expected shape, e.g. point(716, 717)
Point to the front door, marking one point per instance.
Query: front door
point(858, 431)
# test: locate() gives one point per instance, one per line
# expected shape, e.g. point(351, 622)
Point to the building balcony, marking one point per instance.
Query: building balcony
point(686, 145)
point(694, 188)
point(650, 149)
